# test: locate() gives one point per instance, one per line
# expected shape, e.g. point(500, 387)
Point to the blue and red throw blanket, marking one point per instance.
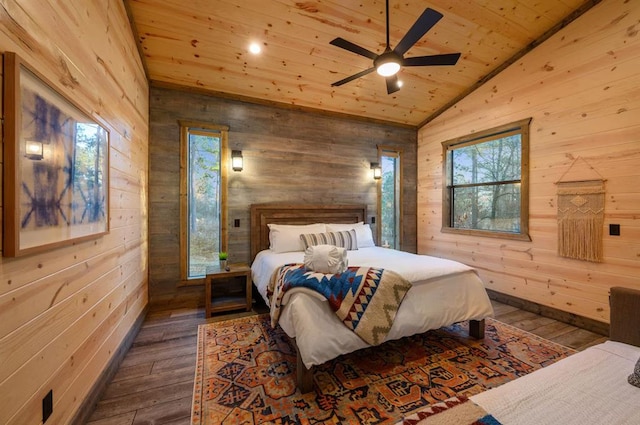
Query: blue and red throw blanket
point(365, 299)
point(458, 410)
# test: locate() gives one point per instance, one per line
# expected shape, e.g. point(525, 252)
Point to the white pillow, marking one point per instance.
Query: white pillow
point(326, 259)
point(363, 232)
point(286, 237)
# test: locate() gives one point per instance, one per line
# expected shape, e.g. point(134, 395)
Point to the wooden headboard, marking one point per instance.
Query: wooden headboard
point(264, 214)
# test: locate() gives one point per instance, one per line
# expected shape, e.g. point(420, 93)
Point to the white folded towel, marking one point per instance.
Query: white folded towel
point(326, 259)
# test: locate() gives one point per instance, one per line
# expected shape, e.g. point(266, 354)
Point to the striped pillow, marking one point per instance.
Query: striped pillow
point(345, 239)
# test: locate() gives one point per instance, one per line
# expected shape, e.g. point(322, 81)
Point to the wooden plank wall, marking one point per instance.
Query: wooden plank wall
point(289, 156)
point(582, 89)
point(64, 313)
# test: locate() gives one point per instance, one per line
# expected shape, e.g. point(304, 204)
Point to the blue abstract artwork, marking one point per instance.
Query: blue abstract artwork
point(63, 191)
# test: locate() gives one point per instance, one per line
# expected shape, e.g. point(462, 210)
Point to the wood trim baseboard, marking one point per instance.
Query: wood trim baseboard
point(88, 405)
point(553, 313)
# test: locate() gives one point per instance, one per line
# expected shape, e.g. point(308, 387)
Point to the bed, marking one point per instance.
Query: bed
point(589, 387)
point(433, 301)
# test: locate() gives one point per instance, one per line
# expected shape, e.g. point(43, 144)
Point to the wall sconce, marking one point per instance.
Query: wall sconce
point(236, 160)
point(377, 170)
point(34, 150)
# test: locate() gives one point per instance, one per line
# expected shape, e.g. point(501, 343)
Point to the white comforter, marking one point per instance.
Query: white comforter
point(587, 388)
point(443, 292)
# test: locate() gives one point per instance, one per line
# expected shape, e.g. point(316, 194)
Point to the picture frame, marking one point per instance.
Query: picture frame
point(56, 166)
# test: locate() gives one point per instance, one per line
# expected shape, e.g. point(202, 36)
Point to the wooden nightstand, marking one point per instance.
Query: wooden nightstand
point(239, 276)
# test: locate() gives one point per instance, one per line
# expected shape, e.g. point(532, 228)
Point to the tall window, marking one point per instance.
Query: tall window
point(202, 197)
point(390, 198)
point(486, 190)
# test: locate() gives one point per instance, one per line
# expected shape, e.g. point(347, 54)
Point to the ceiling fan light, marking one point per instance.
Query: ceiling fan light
point(388, 68)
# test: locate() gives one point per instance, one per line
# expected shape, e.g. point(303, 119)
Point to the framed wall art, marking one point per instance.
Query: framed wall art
point(56, 166)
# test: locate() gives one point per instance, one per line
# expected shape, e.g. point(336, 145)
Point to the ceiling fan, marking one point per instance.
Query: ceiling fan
point(388, 63)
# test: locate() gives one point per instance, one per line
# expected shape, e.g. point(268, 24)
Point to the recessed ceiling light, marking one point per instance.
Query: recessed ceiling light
point(255, 48)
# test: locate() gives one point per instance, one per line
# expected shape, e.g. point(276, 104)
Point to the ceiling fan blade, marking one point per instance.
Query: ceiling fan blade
point(347, 45)
point(446, 59)
point(424, 23)
point(353, 77)
point(392, 84)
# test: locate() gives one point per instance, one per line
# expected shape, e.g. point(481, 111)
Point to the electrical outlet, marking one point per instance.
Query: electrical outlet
point(373, 220)
point(236, 222)
point(47, 406)
point(614, 229)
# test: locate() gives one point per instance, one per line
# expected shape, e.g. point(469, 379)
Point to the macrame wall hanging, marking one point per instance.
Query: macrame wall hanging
point(581, 214)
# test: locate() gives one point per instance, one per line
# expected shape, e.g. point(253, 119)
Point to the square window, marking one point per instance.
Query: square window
point(486, 175)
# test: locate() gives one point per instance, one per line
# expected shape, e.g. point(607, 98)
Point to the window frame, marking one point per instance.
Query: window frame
point(186, 127)
point(518, 127)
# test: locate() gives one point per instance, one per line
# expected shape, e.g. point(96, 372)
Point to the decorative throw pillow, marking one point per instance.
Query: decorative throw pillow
point(286, 237)
point(346, 239)
point(363, 232)
point(326, 259)
point(634, 378)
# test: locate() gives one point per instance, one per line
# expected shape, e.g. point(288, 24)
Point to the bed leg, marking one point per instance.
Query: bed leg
point(304, 378)
point(476, 329)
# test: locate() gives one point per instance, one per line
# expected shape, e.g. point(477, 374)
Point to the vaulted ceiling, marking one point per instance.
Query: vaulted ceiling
point(203, 44)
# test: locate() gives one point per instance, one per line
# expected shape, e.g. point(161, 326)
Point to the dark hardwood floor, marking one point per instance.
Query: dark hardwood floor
point(154, 383)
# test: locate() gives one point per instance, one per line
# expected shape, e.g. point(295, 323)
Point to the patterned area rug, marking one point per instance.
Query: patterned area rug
point(246, 371)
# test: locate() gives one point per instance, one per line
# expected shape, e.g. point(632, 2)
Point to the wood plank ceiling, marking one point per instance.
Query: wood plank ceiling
point(204, 44)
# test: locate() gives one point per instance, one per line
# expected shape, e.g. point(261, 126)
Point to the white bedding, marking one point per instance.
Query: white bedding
point(443, 292)
point(587, 388)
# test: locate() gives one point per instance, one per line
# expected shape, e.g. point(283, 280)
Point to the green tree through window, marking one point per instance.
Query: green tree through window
point(204, 201)
point(389, 203)
point(202, 194)
point(390, 198)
